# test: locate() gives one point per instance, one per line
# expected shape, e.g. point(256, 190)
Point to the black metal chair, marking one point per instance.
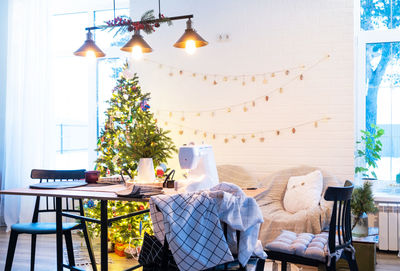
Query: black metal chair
point(339, 241)
point(36, 227)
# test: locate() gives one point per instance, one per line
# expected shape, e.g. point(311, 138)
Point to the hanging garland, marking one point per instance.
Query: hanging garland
point(245, 106)
point(243, 137)
point(243, 79)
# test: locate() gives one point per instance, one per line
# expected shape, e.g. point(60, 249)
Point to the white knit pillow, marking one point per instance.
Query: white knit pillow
point(303, 192)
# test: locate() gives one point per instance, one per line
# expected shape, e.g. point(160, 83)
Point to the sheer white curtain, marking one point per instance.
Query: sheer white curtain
point(29, 125)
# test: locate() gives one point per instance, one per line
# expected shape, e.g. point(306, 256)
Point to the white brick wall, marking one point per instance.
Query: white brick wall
point(265, 36)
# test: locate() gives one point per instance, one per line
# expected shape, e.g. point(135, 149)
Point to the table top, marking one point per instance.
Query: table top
point(92, 191)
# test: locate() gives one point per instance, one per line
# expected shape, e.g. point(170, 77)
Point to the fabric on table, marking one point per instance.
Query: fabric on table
point(304, 244)
point(276, 218)
point(191, 224)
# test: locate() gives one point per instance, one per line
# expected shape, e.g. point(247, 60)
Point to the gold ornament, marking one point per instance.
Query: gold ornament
point(170, 114)
point(205, 77)
point(214, 136)
point(262, 139)
point(205, 134)
point(265, 81)
point(194, 74)
point(166, 123)
point(253, 136)
point(234, 137)
point(278, 132)
point(301, 77)
point(195, 132)
point(280, 90)
point(245, 109)
point(253, 78)
point(226, 140)
point(273, 74)
point(229, 110)
point(243, 140)
point(155, 120)
point(225, 78)
point(212, 114)
point(293, 130)
point(266, 98)
point(198, 114)
point(183, 119)
point(181, 132)
point(316, 124)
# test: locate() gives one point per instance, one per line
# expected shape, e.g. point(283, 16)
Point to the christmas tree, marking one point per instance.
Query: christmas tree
point(130, 133)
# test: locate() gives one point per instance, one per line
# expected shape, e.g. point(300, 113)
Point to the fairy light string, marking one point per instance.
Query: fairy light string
point(244, 136)
point(245, 105)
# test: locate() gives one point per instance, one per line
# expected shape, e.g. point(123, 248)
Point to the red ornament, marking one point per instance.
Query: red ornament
point(141, 207)
point(157, 25)
point(160, 172)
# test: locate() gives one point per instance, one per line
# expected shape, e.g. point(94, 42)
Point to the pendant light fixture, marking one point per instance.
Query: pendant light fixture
point(137, 45)
point(89, 47)
point(190, 40)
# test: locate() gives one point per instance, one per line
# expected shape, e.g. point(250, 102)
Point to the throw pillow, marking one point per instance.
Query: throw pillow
point(303, 192)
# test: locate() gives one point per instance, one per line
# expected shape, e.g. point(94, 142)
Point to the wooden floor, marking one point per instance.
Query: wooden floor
point(46, 256)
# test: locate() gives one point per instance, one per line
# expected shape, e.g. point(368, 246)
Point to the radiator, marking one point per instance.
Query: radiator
point(389, 226)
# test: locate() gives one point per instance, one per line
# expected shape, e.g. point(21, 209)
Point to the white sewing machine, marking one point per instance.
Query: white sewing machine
point(199, 160)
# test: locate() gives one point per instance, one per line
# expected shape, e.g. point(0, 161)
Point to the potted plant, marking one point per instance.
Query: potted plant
point(369, 152)
point(362, 203)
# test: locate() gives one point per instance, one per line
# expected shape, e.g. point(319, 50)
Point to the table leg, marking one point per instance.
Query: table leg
point(104, 235)
point(59, 235)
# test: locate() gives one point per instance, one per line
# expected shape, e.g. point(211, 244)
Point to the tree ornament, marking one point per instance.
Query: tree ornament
point(198, 114)
point(144, 105)
point(170, 114)
point(205, 134)
point(262, 139)
point(212, 114)
point(229, 110)
point(253, 78)
point(226, 140)
point(273, 74)
point(234, 136)
point(253, 135)
point(171, 74)
point(182, 118)
point(253, 103)
point(293, 130)
point(181, 132)
point(194, 74)
point(280, 90)
point(287, 72)
point(278, 132)
point(245, 109)
point(266, 98)
point(215, 82)
point(214, 136)
point(316, 124)
point(301, 77)
point(243, 83)
point(180, 72)
point(243, 140)
point(205, 77)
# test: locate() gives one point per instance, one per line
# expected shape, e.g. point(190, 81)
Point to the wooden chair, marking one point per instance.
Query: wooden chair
point(35, 228)
point(338, 243)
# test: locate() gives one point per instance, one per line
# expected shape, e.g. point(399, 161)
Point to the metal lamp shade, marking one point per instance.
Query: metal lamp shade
point(89, 45)
point(190, 34)
point(137, 40)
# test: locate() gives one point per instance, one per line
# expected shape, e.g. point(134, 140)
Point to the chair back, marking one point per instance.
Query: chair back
point(69, 205)
point(340, 225)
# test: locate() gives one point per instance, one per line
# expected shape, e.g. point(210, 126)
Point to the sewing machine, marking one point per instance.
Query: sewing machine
point(199, 160)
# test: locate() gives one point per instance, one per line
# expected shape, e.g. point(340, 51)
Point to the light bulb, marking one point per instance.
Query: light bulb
point(190, 47)
point(90, 54)
point(137, 52)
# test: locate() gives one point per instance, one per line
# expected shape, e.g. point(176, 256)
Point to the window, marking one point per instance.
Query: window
point(379, 63)
point(81, 86)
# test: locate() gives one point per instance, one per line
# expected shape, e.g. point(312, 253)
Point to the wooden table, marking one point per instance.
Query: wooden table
point(103, 193)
